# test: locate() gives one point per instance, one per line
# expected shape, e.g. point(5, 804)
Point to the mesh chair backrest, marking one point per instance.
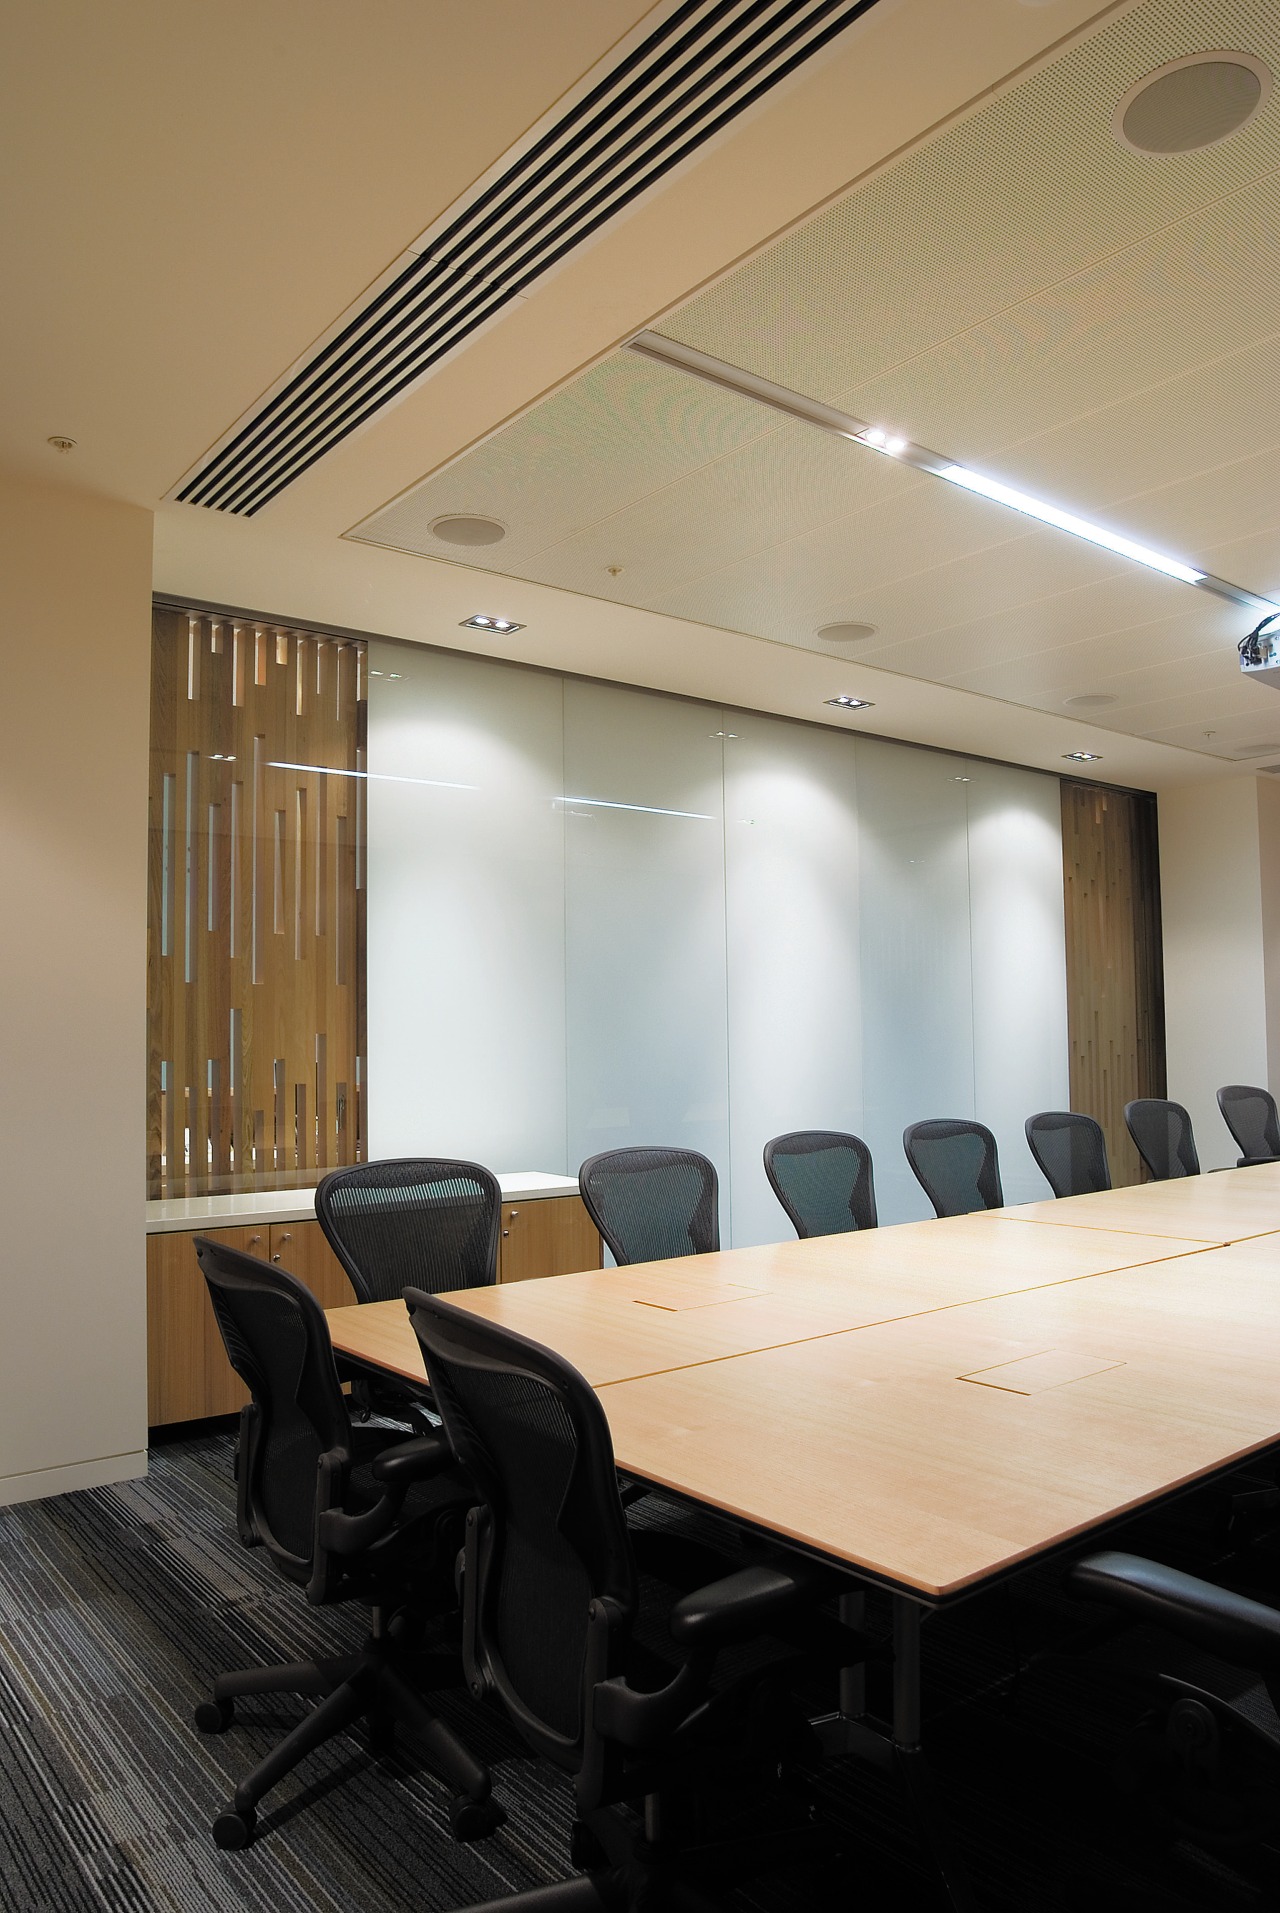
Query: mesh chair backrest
point(1071, 1151)
point(1250, 1115)
point(533, 1439)
point(277, 1341)
point(956, 1164)
point(416, 1220)
point(1162, 1134)
point(823, 1180)
point(652, 1204)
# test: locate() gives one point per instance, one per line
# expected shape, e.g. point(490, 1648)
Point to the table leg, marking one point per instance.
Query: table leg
point(926, 1809)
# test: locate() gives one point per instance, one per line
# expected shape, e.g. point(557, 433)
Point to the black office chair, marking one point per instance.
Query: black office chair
point(421, 1219)
point(1070, 1151)
point(384, 1527)
point(1202, 1769)
point(414, 1219)
point(1162, 1135)
point(823, 1180)
point(956, 1164)
point(551, 1612)
point(1250, 1115)
point(652, 1204)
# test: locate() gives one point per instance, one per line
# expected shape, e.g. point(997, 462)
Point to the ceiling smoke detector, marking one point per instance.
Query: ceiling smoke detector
point(1191, 103)
point(459, 528)
point(845, 633)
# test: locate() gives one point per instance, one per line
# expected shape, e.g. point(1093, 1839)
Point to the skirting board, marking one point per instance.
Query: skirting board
point(99, 1473)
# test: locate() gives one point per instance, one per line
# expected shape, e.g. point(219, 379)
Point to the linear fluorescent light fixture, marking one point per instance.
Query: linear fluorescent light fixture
point(650, 810)
point(890, 444)
point(377, 777)
point(482, 622)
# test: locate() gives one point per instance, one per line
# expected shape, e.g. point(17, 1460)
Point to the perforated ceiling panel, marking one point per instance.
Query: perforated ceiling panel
point(1024, 294)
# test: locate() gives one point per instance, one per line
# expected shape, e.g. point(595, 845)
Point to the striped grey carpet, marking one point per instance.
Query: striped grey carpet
point(118, 1606)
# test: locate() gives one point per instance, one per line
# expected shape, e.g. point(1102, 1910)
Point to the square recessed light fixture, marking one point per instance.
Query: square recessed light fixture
point(847, 703)
point(482, 622)
point(1082, 757)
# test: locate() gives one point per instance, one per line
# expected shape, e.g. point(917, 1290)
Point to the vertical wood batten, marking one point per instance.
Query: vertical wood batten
point(255, 928)
point(1115, 993)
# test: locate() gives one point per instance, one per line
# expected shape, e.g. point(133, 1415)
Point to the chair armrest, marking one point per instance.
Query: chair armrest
point(415, 1460)
point(748, 1602)
point(1230, 1625)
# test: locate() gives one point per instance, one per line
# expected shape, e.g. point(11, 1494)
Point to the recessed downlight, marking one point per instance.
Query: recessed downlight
point(1091, 700)
point(459, 528)
point(1191, 103)
point(846, 633)
point(484, 621)
point(848, 703)
point(1082, 757)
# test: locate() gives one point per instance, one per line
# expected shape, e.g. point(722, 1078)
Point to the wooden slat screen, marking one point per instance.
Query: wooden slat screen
point(256, 905)
point(1115, 979)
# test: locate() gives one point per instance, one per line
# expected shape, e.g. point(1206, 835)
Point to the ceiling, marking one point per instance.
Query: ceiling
point(1022, 293)
point(191, 198)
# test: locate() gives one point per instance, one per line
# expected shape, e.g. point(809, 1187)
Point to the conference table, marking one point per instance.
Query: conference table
point(929, 1406)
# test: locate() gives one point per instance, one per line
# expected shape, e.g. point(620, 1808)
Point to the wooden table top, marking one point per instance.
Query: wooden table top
point(1226, 1207)
point(942, 1400)
point(617, 1324)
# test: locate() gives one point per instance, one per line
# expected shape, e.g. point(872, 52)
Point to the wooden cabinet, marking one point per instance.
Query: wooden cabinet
point(554, 1236)
point(188, 1374)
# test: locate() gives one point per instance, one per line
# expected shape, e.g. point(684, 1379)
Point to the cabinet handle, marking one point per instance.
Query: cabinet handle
point(506, 1232)
point(286, 1237)
point(253, 1239)
point(512, 1214)
point(276, 1256)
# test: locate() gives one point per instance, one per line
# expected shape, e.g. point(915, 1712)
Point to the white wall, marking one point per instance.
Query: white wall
point(75, 614)
point(1220, 900)
point(616, 917)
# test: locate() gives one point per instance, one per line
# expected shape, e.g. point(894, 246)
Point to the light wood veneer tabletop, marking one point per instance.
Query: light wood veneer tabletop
point(1225, 1207)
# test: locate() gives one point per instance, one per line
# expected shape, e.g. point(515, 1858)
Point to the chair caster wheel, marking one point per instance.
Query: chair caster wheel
point(585, 1850)
point(215, 1716)
point(474, 1819)
point(232, 1830)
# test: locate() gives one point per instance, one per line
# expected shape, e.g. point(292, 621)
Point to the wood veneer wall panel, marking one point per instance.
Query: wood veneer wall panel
point(256, 905)
point(1115, 990)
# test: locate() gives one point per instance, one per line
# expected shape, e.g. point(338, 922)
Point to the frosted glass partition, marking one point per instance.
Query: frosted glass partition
point(466, 911)
point(795, 1026)
point(917, 980)
point(1017, 935)
point(645, 925)
point(600, 916)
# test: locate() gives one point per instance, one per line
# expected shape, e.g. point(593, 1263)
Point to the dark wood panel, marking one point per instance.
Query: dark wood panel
point(1115, 985)
point(256, 927)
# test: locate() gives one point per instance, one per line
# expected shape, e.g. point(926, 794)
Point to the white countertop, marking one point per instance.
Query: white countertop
point(299, 1205)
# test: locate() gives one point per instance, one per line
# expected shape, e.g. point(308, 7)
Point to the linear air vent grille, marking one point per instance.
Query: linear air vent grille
point(673, 92)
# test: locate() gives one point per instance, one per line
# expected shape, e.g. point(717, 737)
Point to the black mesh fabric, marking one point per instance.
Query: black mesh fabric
point(1250, 1115)
point(1071, 1151)
point(956, 1164)
point(277, 1342)
point(1162, 1134)
point(533, 1437)
point(823, 1180)
point(421, 1222)
point(651, 1204)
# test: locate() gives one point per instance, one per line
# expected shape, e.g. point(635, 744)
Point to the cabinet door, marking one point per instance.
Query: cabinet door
point(301, 1248)
point(553, 1236)
point(188, 1374)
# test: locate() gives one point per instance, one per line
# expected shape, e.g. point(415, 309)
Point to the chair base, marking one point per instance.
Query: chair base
point(368, 1686)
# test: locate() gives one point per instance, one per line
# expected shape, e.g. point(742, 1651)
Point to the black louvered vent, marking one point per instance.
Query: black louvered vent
point(707, 62)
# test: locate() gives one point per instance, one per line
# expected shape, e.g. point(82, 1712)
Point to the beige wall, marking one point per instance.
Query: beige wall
point(1220, 891)
point(75, 581)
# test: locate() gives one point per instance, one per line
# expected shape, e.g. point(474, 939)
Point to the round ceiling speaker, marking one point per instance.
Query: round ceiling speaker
point(1192, 103)
point(1091, 701)
point(460, 529)
point(845, 633)
point(1256, 750)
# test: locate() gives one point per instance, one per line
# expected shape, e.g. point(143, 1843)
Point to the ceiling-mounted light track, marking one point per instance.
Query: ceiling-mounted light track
point(888, 444)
